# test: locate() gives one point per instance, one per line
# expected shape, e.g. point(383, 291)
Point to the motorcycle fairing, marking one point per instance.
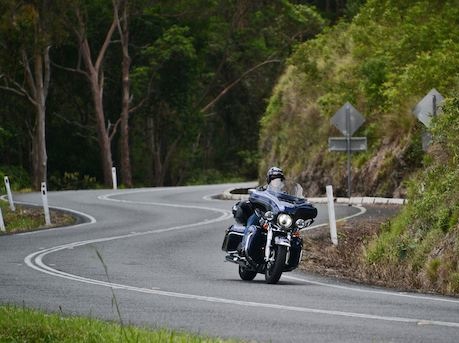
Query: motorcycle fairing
point(278, 202)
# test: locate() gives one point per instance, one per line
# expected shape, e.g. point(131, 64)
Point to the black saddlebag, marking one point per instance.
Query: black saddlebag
point(233, 236)
point(242, 210)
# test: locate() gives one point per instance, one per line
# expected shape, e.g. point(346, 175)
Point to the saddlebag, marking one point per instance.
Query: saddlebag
point(242, 210)
point(233, 236)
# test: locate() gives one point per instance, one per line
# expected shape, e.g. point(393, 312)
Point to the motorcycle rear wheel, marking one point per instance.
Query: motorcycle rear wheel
point(247, 274)
point(274, 270)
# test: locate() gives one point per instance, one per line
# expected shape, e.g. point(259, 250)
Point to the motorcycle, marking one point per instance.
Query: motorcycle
point(274, 244)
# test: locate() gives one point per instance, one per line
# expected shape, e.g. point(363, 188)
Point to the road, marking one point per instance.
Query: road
point(157, 252)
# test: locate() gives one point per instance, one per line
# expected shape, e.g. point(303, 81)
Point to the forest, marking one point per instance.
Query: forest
point(168, 92)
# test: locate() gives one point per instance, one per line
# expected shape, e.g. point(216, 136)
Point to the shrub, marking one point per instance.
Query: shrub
point(212, 176)
point(18, 176)
point(72, 180)
point(454, 283)
point(432, 269)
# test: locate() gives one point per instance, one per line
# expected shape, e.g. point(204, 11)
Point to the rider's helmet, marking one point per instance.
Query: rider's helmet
point(274, 173)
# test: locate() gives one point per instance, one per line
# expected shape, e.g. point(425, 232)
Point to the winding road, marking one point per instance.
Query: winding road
point(157, 251)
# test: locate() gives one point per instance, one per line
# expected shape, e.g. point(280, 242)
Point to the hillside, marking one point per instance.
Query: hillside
point(421, 245)
point(383, 62)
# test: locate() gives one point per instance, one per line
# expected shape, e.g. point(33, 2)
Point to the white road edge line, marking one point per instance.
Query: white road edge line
point(35, 261)
point(362, 210)
point(371, 291)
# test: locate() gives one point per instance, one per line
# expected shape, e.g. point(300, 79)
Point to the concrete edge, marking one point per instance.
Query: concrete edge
point(227, 195)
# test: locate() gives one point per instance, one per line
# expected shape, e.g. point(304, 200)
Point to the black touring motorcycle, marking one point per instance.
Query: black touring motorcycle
point(273, 245)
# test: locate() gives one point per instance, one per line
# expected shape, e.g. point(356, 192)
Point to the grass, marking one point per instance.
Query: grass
point(26, 325)
point(27, 218)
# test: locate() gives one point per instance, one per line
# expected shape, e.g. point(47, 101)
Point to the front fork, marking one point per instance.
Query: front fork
point(278, 241)
point(269, 238)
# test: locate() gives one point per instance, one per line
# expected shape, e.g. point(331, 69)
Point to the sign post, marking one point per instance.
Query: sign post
point(348, 146)
point(331, 215)
point(44, 197)
point(2, 223)
point(347, 119)
point(10, 195)
point(114, 179)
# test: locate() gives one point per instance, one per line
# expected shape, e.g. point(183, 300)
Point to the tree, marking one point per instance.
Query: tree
point(126, 8)
point(94, 72)
point(29, 30)
point(123, 29)
point(169, 120)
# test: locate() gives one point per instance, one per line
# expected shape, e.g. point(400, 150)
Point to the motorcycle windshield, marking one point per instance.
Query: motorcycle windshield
point(284, 197)
point(280, 187)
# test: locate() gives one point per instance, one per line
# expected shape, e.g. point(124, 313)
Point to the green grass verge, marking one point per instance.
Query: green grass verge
point(26, 325)
point(31, 218)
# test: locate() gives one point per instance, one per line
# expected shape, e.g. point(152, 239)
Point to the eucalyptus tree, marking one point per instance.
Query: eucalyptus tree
point(101, 29)
point(28, 30)
point(93, 56)
point(122, 20)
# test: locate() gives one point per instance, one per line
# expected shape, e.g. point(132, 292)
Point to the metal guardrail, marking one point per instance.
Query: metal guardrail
point(227, 195)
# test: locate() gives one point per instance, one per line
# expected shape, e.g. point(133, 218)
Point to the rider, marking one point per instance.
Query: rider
point(275, 182)
point(275, 179)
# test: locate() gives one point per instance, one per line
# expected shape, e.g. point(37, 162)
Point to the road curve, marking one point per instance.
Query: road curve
point(158, 252)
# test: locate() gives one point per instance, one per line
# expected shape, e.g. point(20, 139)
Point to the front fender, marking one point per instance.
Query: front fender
point(282, 241)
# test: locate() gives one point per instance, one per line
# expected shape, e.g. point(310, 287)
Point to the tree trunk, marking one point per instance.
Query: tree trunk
point(38, 83)
point(156, 164)
point(126, 174)
point(102, 133)
point(95, 77)
point(39, 156)
point(160, 161)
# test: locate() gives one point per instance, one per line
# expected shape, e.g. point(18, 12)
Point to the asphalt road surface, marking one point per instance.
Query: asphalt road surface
point(157, 251)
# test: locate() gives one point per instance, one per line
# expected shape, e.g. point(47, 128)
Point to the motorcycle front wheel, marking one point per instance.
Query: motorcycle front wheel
point(247, 274)
point(274, 269)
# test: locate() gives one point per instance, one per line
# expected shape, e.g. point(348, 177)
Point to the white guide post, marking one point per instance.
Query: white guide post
point(2, 223)
point(331, 215)
point(44, 197)
point(115, 181)
point(10, 195)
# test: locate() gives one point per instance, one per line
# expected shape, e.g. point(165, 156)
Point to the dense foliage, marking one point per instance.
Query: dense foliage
point(384, 61)
point(422, 243)
point(170, 89)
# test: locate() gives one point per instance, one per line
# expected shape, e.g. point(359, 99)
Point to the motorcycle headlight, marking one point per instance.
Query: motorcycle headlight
point(269, 216)
point(284, 220)
point(300, 223)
